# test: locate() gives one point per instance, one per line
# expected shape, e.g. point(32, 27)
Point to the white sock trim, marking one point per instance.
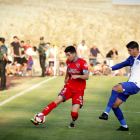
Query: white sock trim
point(106, 113)
point(125, 126)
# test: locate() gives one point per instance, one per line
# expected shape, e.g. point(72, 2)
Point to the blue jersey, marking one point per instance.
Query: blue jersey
point(134, 64)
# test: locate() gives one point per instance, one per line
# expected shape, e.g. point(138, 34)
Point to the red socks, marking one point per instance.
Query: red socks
point(74, 115)
point(48, 108)
point(52, 105)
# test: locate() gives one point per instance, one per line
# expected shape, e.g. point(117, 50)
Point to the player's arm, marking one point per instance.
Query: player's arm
point(66, 76)
point(118, 66)
point(85, 76)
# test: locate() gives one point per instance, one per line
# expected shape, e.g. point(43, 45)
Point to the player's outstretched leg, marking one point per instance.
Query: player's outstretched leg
point(116, 89)
point(118, 113)
point(74, 115)
point(49, 108)
point(110, 104)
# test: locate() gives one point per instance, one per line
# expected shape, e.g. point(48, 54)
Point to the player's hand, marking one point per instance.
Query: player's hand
point(107, 71)
point(75, 76)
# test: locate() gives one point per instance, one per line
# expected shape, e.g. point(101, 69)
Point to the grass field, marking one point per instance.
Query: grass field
point(16, 114)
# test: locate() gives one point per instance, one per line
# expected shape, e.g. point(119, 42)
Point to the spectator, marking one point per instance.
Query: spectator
point(42, 55)
point(16, 67)
point(117, 73)
point(62, 69)
point(11, 70)
point(62, 55)
point(34, 58)
point(29, 53)
point(91, 69)
point(16, 50)
point(104, 66)
point(52, 51)
point(23, 60)
point(97, 69)
point(82, 49)
point(9, 55)
point(48, 54)
point(93, 54)
point(50, 71)
point(75, 46)
point(48, 51)
point(34, 53)
point(111, 56)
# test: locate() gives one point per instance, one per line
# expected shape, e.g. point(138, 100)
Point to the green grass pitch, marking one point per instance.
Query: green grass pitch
point(15, 115)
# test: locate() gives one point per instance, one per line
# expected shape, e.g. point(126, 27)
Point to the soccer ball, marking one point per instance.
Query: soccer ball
point(39, 118)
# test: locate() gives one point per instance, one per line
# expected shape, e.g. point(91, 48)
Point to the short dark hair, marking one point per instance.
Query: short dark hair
point(70, 49)
point(48, 43)
point(105, 62)
point(91, 64)
point(133, 45)
point(41, 38)
point(2, 39)
point(35, 48)
point(62, 63)
point(15, 37)
point(22, 41)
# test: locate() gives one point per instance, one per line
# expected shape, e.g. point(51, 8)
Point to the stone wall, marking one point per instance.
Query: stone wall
point(70, 21)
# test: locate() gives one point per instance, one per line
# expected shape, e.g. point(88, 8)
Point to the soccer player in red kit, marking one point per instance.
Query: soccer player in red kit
point(75, 83)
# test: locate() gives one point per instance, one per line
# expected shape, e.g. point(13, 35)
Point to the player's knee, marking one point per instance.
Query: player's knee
point(115, 88)
point(115, 106)
point(58, 100)
point(74, 115)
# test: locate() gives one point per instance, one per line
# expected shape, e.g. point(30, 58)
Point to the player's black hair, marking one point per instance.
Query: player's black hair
point(2, 39)
point(22, 41)
point(133, 45)
point(70, 49)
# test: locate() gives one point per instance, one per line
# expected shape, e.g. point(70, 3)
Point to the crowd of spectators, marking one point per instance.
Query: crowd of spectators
point(23, 57)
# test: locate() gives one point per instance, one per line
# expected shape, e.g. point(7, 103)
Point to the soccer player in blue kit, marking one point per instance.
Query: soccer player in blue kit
point(122, 91)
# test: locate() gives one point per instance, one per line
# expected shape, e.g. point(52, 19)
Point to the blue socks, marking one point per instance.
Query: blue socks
point(111, 101)
point(118, 113)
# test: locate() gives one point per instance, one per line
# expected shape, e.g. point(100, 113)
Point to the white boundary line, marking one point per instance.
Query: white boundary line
point(13, 97)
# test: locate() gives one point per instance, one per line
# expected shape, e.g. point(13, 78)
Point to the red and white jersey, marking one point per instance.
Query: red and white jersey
point(96, 69)
point(79, 67)
point(51, 71)
point(61, 70)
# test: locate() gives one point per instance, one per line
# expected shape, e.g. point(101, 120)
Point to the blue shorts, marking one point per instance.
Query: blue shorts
point(129, 88)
